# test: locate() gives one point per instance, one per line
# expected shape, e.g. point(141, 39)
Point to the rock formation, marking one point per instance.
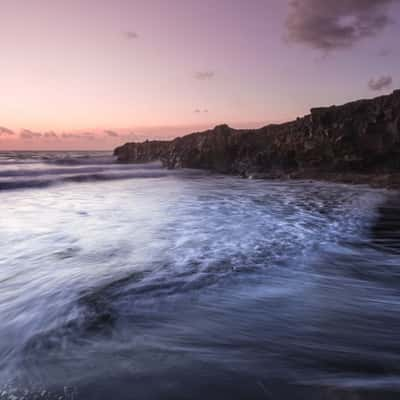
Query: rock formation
point(141, 152)
point(358, 137)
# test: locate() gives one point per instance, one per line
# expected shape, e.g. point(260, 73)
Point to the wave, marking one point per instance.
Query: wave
point(293, 281)
point(41, 171)
point(28, 170)
point(78, 178)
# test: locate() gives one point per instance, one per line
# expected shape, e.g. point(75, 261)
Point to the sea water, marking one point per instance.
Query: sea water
point(125, 281)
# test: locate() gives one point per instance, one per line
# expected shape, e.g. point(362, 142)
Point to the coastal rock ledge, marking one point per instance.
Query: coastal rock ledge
point(354, 142)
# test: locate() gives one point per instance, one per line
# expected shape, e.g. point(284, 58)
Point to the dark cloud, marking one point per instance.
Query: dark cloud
point(204, 75)
point(111, 133)
point(381, 83)
point(28, 134)
point(131, 35)
point(329, 25)
point(6, 131)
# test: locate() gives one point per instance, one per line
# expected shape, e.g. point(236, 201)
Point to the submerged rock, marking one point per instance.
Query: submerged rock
point(358, 137)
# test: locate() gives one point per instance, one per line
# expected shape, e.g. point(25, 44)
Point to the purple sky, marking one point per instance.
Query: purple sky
point(73, 70)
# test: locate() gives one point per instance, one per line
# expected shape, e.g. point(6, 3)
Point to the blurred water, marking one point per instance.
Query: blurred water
point(130, 281)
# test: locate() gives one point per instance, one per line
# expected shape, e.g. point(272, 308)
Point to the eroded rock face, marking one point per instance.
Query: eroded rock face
point(362, 136)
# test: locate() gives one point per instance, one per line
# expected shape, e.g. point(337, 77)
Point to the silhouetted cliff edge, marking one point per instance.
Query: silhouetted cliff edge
point(354, 142)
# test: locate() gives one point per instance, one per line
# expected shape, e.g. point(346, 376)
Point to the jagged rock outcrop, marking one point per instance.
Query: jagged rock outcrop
point(362, 136)
point(141, 152)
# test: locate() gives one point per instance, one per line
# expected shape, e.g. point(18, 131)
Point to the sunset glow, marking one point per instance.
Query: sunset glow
point(163, 68)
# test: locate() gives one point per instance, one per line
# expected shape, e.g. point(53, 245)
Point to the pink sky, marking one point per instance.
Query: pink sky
point(160, 68)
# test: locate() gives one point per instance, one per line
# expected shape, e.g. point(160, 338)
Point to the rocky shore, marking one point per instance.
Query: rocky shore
point(358, 142)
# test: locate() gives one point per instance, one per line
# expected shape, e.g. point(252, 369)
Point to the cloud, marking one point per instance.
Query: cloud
point(329, 25)
point(197, 110)
point(50, 135)
point(6, 131)
point(84, 135)
point(204, 75)
point(28, 134)
point(385, 52)
point(381, 83)
point(130, 35)
point(111, 133)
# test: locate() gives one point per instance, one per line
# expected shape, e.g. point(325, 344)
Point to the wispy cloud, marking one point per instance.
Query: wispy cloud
point(204, 75)
point(197, 110)
point(111, 133)
point(131, 35)
point(50, 135)
point(28, 134)
point(68, 136)
point(330, 25)
point(385, 52)
point(381, 83)
point(6, 131)
point(84, 135)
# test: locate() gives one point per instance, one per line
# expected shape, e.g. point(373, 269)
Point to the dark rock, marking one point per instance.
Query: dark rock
point(141, 152)
point(359, 137)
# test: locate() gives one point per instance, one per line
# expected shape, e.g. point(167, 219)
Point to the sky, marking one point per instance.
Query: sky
point(93, 74)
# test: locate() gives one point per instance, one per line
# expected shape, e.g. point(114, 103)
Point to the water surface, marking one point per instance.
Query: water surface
point(131, 281)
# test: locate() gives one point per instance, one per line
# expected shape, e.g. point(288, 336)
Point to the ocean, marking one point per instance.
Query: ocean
point(127, 281)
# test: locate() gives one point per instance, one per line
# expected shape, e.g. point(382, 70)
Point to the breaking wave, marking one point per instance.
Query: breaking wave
point(24, 171)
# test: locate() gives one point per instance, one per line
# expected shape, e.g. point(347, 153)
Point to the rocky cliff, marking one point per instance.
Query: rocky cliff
point(142, 152)
point(359, 137)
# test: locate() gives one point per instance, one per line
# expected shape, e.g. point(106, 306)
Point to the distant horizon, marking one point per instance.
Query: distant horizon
point(153, 133)
point(124, 136)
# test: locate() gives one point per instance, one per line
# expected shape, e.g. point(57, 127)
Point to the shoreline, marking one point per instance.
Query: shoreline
point(357, 143)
